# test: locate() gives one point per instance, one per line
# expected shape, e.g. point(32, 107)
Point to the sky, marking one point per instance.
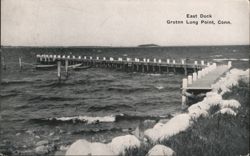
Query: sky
point(121, 22)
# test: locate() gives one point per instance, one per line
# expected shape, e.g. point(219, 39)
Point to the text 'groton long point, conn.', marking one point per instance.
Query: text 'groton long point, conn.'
point(199, 19)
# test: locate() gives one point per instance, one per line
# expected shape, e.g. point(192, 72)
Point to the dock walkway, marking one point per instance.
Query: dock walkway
point(209, 79)
point(196, 85)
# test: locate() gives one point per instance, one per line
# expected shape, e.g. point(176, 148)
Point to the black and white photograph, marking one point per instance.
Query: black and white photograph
point(124, 78)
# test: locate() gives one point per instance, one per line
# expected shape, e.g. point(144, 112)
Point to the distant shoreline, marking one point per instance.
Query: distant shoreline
point(121, 47)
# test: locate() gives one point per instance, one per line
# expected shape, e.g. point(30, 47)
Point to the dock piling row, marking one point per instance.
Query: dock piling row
point(127, 64)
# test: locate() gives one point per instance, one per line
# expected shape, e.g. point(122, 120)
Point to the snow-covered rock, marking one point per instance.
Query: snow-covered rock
point(100, 149)
point(83, 147)
point(230, 104)
point(119, 144)
point(43, 142)
point(163, 131)
point(42, 149)
point(79, 147)
point(212, 99)
point(228, 111)
point(161, 150)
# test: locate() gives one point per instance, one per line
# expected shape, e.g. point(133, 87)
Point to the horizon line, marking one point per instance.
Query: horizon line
point(138, 46)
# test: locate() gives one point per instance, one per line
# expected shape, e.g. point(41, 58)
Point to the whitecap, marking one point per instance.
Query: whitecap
point(87, 119)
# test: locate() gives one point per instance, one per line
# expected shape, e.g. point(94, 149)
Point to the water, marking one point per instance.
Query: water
point(35, 107)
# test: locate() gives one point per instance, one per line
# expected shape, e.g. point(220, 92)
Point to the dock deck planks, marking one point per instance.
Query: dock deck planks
point(206, 81)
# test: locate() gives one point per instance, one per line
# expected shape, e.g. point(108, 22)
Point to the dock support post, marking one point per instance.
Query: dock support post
point(184, 98)
point(229, 65)
point(3, 63)
point(194, 76)
point(20, 63)
point(190, 79)
point(66, 67)
point(199, 74)
point(59, 70)
point(168, 61)
point(202, 62)
point(153, 68)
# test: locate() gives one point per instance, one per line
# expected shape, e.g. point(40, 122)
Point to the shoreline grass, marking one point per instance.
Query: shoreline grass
point(217, 135)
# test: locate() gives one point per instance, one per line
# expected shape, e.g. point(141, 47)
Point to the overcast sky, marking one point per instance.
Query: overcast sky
point(121, 22)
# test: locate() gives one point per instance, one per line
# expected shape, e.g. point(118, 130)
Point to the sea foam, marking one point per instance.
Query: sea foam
point(86, 119)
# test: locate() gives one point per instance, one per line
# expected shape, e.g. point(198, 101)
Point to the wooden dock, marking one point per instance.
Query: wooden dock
point(152, 65)
point(195, 86)
point(200, 76)
point(206, 82)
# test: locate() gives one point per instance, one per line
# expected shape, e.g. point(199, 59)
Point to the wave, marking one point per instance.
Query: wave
point(96, 120)
point(97, 130)
point(76, 119)
point(231, 59)
point(9, 82)
point(122, 117)
point(159, 87)
point(123, 89)
point(52, 98)
point(108, 107)
point(216, 56)
point(6, 95)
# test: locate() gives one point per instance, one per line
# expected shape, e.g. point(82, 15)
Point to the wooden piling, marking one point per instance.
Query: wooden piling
point(190, 79)
point(20, 63)
point(194, 76)
point(3, 63)
point(202, 62)
point(66, 67)
point(199, 75)
point(229, 65)
point(59, 70)
point(184, 89)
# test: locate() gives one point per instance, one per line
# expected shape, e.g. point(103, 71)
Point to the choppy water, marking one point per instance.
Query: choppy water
point(35, 107)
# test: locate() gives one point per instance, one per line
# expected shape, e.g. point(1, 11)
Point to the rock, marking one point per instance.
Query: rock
point(80, 147)
point(18, 134)
point(29, 132)
point(42, 149)
point(100, 149)
point(64, 148)
point(136, 132)
point(119, 144)
point(163, 120)
point(163, 131)
point(228, 111)
point(148, 123)
point(52, 133)
point(56, 138)
point(230, 104)
point(83, 147)
point(59, 153)
point(43, 142)
point(161, 150)
point(37, 137)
